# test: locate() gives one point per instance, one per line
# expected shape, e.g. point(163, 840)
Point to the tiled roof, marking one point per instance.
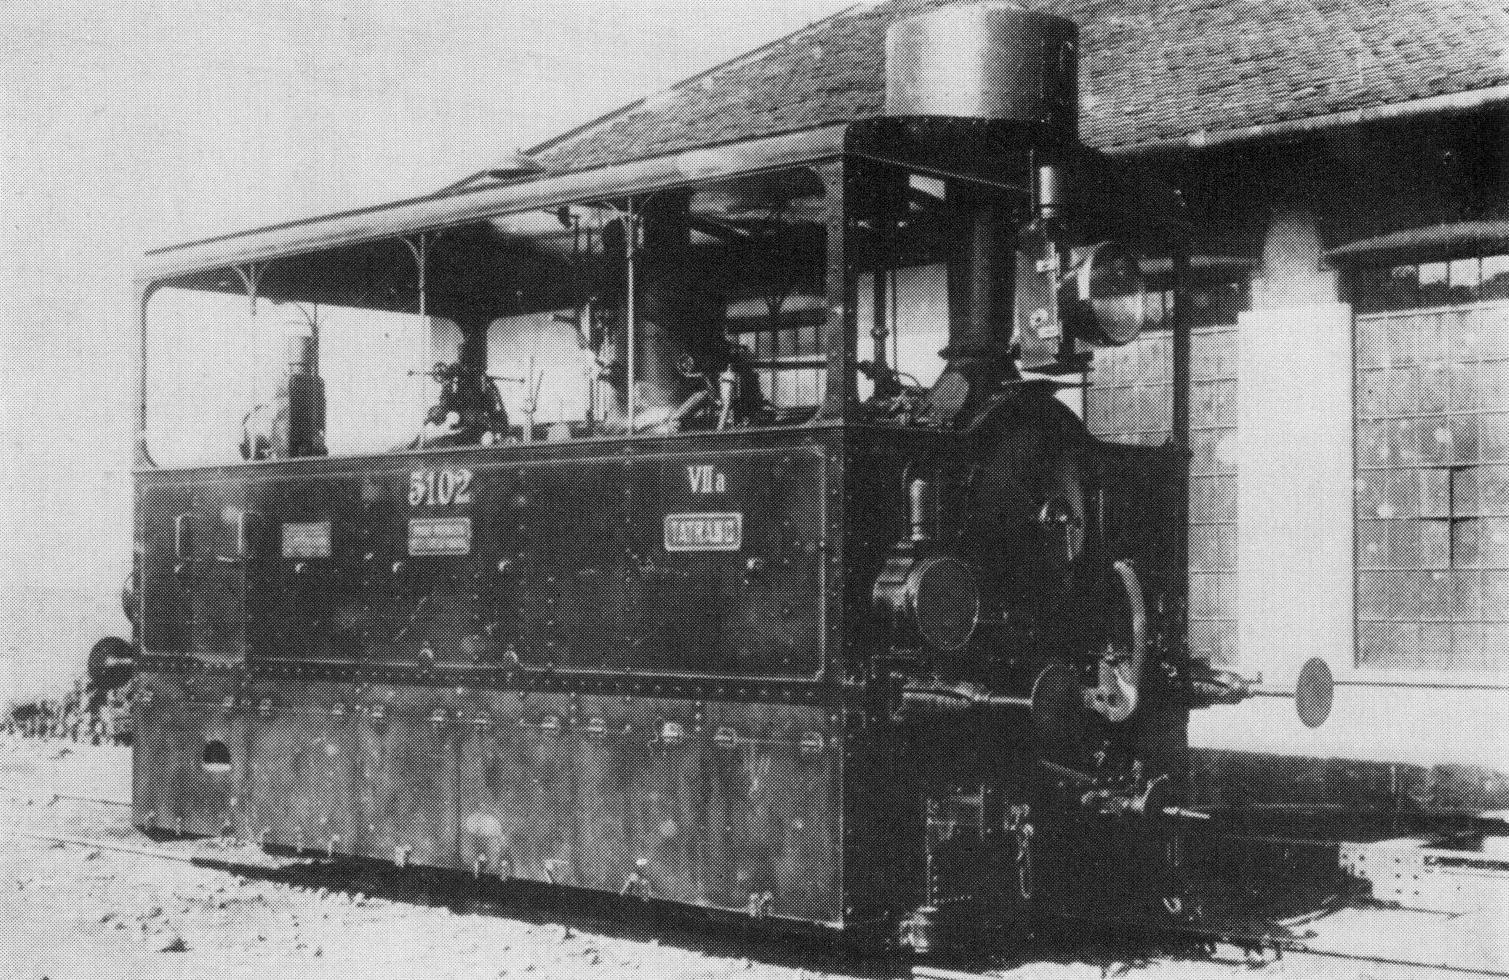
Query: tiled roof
point(1150, 70)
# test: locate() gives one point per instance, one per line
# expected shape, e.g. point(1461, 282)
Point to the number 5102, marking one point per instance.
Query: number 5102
point(433, 488)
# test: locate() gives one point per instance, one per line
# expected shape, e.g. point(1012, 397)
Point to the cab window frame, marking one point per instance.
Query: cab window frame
point(832, 325)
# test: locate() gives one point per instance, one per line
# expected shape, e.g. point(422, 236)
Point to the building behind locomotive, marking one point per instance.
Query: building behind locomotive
point(753, 616)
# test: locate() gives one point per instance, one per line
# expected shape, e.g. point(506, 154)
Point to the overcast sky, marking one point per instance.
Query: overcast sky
point(129, 125)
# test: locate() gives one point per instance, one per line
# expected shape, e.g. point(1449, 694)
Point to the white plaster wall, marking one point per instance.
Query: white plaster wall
point(1294, 488)
point(1295, 563)
point(1424, 726)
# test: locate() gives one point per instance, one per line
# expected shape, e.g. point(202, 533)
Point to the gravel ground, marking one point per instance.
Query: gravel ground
point(70, 911)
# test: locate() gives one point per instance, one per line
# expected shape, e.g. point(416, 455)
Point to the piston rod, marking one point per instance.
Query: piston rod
point(1313, 691)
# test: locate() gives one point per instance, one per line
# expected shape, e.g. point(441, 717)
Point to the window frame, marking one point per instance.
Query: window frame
point(1214, 299)
point(1443, 675)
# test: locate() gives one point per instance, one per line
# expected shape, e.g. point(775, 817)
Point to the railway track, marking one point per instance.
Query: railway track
point(1248, 949)
point(488, 897)
point(522, 901)
point(16, 792)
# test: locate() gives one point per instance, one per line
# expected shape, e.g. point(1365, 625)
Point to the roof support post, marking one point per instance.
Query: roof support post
point(839, 179)
point(890, 196)
point(631, 233)
point(630, 219)
point(251, 277)
point(418, 246)
point(1179, 435)
point(143, 457)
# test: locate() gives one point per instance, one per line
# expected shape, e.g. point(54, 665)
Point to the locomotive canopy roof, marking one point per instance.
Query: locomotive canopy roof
point(475, 203)
point(1117, 199)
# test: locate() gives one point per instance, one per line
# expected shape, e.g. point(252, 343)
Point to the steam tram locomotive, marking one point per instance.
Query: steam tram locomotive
point(739, 549)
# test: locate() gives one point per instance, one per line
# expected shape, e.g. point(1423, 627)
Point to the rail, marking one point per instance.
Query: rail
point(260, 864)
point(19, 793)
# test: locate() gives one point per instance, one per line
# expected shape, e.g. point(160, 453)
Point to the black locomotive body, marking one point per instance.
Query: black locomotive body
point(575, 701)
point(885, 655)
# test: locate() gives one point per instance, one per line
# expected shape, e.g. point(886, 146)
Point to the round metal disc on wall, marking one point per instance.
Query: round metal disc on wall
point(1314, 692)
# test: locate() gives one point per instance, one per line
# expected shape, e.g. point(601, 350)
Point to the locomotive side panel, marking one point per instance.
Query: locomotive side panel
point(884, 821)
point(716, 805)
point(181, 782)
point(729, 561)
point(193, 573)
point(699, 561)
point(598, 670)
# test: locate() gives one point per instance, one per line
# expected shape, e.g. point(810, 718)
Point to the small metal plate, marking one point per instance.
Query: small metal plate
point(310, 539)
point(704, 532)
point(440, 535)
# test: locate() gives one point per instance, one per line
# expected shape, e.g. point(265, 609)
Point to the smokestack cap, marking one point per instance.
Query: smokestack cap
point(984, 61)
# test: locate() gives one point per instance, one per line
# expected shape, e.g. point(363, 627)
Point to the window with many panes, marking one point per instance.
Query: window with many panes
point(1432, 486)
point(1129, 398)
point(1419, 285)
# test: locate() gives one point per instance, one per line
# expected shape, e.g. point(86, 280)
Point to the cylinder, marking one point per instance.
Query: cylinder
point(984, 61)
point(299, 417)
point(301, 349)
